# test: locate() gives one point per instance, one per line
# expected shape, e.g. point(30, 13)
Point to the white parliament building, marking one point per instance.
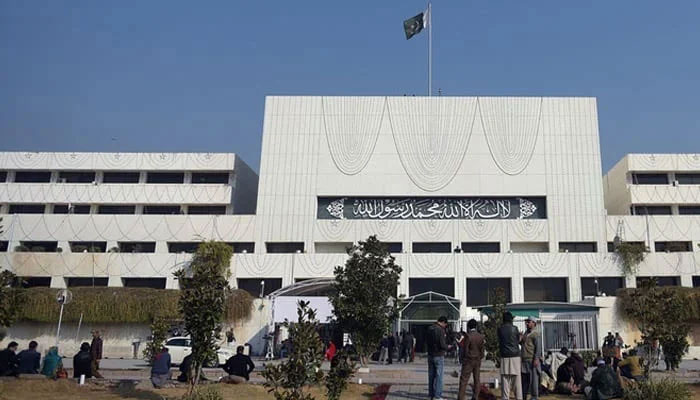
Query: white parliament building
point(469, 193)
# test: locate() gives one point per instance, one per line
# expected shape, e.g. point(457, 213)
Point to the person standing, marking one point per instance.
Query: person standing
point(9, 364)
point(472, 353)
point(406, 346)
point(160, 372)
point(383, 349)
point(508, 339)
point(437, 346)
point(29, 359)
point(530, 355)
point(96, 353)
point(392, 345)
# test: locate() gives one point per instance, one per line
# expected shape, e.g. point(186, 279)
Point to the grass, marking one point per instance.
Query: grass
point(65, 389)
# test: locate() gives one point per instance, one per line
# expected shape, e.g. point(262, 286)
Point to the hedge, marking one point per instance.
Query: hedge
point(691, 295)
point(120, 305)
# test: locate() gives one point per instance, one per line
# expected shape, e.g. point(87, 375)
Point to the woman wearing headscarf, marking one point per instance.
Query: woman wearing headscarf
point(52, 363)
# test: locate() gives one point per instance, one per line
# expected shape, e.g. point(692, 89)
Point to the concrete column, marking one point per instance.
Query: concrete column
point(162, 247)
point(115, 281)
point(142, 177)
point(517, 287)
point(58, 282)
point(99, 176)
point(574, 280)
point(687, 280)
point(188, 177)
point(630, 281)
point(171, 282)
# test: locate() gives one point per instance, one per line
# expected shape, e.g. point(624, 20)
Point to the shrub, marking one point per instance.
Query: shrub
point(665, 389)
point(206, 392)
point(159, 332)
point(341, 371)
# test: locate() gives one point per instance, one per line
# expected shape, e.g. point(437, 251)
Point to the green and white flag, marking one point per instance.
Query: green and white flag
point(413, 26)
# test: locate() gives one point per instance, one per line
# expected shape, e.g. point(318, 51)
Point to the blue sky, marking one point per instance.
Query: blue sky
point(172, 75)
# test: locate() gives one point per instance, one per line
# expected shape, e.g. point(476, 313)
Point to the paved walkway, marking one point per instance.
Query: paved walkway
point(403, 392)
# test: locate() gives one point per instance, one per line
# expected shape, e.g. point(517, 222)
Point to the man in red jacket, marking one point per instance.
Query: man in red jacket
point(472, 353)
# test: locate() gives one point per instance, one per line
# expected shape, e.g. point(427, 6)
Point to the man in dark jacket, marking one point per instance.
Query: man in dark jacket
point(29, 359)
point(9, 364)
point(604, 383)
point(160, 371)
point(579, 367)
point(239, 366)
point(392, 345)
point(96, 353)
point(436, 341)
point(82, 362)
point(472, 352)
point(508, 344)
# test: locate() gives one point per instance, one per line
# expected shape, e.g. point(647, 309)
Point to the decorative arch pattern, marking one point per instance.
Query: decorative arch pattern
point(511, 126)
point(431, 136)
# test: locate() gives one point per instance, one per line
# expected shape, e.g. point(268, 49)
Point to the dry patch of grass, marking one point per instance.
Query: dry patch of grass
point(64, 389)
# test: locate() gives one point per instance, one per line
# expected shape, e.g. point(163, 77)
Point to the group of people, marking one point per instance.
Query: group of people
point(28, 361)
point(402, 346)
point(238, 368)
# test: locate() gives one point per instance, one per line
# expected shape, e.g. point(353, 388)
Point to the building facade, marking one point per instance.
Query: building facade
point(469, 193)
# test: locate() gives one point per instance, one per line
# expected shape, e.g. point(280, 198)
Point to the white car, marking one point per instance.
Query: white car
point(179, 347)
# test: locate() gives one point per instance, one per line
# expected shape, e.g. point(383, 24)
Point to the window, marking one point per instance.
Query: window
point(76, 177)
point(545, 289)
point(285, 247)
point(26, 209)
point(688, 179)
point(480, 290)
point(153, 283)
point(481, 247)
point(32, 176)
point(182, 247)
point(649, 179)
point(37, 246)
point(256, 288)
point(137, 247)
point(165, 177)
point(672, 247)
point(529, 247)
point(87, 282)
point(180, 342)
point(332, 247)
point(696, 281)
point(120, 177)
point(3, 176)
point(444, 286)
point(689, 210)
point(660, 280)
point(578, 247)
point(116, 209)
point(89, 247)
point(4, 245)
point(72, 209)
point(242, 247)
point(432, 247)
point(161, 210)
point(651, 210)
point(394, 247)
point(206, 210)
point(35, 281)
point(210, 177)
point(606, 286)
point(611, 246)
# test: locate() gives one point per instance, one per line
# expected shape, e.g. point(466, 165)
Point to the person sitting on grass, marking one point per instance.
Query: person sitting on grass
point(82, 362)
point(238, 367)
point(29, 359)
point(631, 366)
point(605, 383)
point(160, 372)
point(565, 378)
point(9, 364)
point(52, 363)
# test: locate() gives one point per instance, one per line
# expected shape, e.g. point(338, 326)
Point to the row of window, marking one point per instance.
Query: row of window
point(45, 281)
point(647, 178)
point(339, 247)
point(664, 210)
point(116, 177)
point(480, 290)
point(121, 209)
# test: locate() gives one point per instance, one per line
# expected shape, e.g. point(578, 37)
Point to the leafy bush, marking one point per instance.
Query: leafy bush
point(159, 332)
point(665, 389)
point(341, 371)
point(205, 392)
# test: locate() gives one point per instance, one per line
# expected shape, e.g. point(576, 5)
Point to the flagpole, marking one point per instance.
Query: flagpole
point(430, 49)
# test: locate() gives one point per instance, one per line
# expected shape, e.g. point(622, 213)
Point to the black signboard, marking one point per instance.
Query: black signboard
point(431, 208)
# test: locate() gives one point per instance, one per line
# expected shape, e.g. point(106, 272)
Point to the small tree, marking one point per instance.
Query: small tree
point(159, 332)
point(288, 379)
point(11, 295)
point(364, 295)
point(202, 301)
point(495, 320)
point(342, 369)
point(660, 313)
point(631, 255)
